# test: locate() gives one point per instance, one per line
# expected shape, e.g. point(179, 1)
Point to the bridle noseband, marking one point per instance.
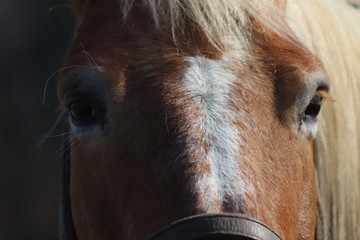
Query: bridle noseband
point(216, 226)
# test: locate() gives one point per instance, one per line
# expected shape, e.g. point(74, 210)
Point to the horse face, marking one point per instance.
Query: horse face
point(161, 131)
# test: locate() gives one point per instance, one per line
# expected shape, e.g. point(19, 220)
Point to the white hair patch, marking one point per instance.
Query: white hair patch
point(210, 83)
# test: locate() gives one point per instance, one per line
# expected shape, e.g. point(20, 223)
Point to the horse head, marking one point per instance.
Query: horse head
point(181, 108)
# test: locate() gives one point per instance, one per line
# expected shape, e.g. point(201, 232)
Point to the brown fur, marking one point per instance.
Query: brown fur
point(135, 179)
point(79, 7)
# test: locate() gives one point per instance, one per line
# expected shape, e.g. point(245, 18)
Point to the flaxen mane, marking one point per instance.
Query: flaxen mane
point(331, 29)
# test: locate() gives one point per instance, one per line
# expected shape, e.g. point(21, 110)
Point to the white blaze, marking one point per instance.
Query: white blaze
point(210, 83)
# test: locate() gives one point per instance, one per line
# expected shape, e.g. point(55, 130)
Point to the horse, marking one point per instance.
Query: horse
point(202, 118)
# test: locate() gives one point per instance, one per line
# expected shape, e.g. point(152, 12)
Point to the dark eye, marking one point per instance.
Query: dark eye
point(82, 110)
point(313, 109)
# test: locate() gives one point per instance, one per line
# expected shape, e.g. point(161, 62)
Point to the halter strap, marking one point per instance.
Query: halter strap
point(216, 226)
point(66, 225)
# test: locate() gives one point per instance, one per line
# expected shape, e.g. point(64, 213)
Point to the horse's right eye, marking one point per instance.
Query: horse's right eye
point(82, 110)
point(85, 109)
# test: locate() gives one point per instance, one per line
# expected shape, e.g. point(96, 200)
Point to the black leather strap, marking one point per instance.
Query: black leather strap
point(66, 226)
point(217, 226)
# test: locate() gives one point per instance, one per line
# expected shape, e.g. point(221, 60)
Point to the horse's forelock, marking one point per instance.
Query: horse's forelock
point(219, 20)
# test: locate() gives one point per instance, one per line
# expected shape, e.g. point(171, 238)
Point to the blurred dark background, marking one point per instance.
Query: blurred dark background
point(34, 35)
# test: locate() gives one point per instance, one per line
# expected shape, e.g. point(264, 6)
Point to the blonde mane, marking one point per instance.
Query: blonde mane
point(331, 29)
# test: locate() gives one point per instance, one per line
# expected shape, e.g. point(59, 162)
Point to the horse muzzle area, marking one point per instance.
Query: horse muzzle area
point(216, 226)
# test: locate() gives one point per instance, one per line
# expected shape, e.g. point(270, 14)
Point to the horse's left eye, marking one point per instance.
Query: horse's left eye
point(314, 106)
point(308, 118)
